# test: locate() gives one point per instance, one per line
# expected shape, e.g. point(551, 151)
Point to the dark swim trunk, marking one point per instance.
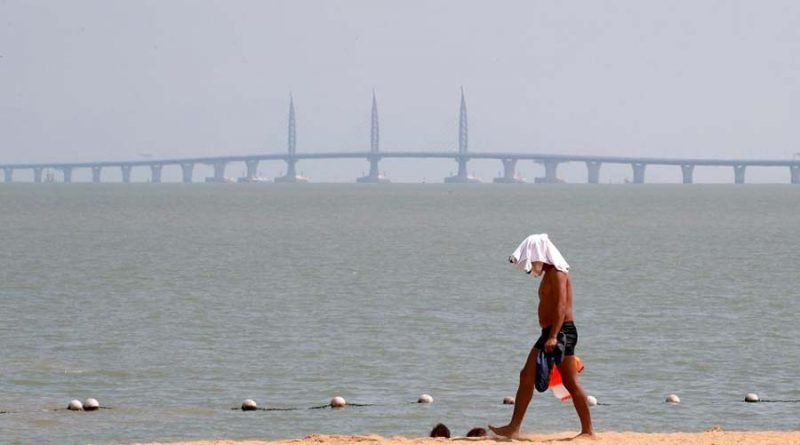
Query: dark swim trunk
point(570, 335)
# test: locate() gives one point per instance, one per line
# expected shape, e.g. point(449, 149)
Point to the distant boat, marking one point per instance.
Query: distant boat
point(469, 179)
point(296, 179)
point(223, 180)
point(380, 179)
point(515, 180)
point(245, 179)
point(545, 180)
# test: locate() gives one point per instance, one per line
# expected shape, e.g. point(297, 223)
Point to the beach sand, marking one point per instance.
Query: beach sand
point(712, 437)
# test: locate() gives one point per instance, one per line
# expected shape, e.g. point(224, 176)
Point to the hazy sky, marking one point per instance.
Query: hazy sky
point(112, 80)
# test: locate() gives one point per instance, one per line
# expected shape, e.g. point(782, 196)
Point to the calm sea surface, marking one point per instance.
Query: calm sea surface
point(171, 304)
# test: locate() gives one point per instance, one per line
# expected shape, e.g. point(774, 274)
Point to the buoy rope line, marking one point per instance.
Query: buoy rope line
point(67, 409)
point(371, 404)
point(347, 404)
point(59, 409)
point(297, 409)
point(774, 401)
point(265, 409)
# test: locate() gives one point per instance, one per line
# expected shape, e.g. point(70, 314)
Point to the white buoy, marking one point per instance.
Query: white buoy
point(591, 400)
point(91, 405)
point(75, 405)
point(338, 402)
point(751, 397)
point(508, 401)
point(673, 398)
point(249, 405)
point(425, 398)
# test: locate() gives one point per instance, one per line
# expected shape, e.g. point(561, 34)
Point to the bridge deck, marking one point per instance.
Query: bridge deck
point(540, 157)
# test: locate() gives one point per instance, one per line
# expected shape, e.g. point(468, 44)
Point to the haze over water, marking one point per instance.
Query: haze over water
point(173, 303)
point(91, 80)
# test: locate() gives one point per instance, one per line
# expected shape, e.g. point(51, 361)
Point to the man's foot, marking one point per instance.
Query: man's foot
point(505, 431)
point(585, 436)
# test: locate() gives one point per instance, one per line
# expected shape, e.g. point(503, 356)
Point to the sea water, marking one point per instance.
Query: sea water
point(173, 303)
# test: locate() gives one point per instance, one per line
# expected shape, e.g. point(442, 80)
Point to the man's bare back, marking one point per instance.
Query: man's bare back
point(555, 315)
point(549, 299)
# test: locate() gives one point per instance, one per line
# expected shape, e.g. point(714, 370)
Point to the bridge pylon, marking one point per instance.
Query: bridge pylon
point(795, 173)
point(291, 175)
point(374, 175)
point(291, 161)
point(461, 177)
point(37, 174)
point(463, 147)
point(8, 174)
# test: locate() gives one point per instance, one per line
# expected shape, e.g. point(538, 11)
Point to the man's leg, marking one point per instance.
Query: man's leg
point(569, 375)
point(527, 377)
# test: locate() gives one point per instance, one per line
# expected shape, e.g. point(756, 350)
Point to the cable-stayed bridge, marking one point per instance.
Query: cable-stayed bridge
point(461, 156)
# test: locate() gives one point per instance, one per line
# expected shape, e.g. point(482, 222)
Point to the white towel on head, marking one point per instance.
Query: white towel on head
point(537, 247)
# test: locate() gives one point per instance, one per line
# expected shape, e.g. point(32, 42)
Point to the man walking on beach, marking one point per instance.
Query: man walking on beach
point(537, 255)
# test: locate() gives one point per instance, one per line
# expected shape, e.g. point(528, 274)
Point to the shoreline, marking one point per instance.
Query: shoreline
point(714, 436)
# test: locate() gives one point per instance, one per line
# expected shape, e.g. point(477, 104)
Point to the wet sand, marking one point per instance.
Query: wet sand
point(711, 437)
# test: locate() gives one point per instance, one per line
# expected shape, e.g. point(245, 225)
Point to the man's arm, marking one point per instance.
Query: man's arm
point(560, 310)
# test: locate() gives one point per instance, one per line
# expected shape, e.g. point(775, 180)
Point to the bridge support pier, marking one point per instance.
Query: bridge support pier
point(374, 175)
point(688, 170)
point(638, 172)
point(67, 174)
point(37, 174)
point(593, 171)
point(252, 168)
point(795, 171)
point(291, 173)
point(126, 173)
point(461, 176)
point(155, 173)
point(187, 170)
point(219, 172)
point(738, 173)
point(8, 174)
point(96, 170)
point(550, 173)
point(509, 173)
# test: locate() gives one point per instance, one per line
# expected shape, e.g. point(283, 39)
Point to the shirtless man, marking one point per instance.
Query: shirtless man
point(537, 255)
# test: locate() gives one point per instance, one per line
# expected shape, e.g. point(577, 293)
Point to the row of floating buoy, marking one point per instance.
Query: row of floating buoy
point(89, 405)
point(339, 402)
point(749, 398)
point(336, 402)
point(591, 400)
